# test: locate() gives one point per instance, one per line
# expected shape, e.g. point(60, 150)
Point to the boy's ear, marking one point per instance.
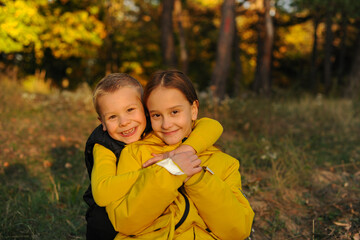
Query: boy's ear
point(104, 127)
point(194, 110)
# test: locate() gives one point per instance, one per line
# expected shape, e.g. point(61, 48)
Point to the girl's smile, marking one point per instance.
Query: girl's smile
point(171, 114)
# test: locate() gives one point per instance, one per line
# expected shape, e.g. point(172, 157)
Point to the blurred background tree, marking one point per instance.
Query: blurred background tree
point(232, 46)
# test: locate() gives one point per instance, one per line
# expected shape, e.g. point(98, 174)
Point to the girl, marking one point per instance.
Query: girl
point(176, 198)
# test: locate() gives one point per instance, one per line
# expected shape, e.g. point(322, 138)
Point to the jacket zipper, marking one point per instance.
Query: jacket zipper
point(186, 212)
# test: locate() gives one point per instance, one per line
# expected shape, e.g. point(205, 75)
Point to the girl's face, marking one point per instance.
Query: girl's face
point(171, 114)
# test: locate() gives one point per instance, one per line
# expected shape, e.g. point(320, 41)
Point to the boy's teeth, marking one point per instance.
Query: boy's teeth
point(128, 131)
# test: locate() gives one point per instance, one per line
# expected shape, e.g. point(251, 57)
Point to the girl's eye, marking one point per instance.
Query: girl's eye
point(131, 109)
point(174, 112)
point(155, 115)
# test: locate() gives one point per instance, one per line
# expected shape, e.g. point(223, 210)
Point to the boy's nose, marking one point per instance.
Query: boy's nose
point(123, 121)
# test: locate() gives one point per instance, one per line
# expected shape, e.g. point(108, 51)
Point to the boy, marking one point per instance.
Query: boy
point(118, 102)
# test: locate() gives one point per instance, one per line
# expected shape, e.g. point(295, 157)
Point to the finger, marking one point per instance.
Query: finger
point(150, 162)
point(192, 157)
point(196, 162)
point(165, 155)
point(171, 153)
point(197, 169)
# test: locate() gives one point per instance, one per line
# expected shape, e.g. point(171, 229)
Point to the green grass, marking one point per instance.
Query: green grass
point(299, 163)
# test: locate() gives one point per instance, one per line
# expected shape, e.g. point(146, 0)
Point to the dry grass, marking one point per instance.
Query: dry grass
point(299, 162)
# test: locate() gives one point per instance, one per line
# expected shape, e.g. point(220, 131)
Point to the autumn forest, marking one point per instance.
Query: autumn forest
point(281, 76)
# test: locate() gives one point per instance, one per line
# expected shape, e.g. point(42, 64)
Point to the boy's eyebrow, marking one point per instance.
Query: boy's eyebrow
point(127, 106)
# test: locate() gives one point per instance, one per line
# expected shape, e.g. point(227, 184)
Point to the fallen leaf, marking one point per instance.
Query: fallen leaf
point(356, 236)
point(47, 164)
point(346, 225)
point(62, 138)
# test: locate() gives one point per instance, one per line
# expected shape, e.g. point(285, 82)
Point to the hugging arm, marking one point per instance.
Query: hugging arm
point(154, 190)
point(106, 186)
point(205, 133)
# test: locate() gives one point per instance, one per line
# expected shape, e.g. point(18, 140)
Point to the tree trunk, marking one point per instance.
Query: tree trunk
point(167, 37)
point(108, 42)
point(353, 89)
point(238, 66)
point(262, 82)
point(223, 54)
point(328, 52)
point(184, 59)
point(344, 24)
point(313, 64)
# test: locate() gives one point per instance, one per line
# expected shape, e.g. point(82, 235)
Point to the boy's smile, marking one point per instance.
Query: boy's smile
point(122, 114)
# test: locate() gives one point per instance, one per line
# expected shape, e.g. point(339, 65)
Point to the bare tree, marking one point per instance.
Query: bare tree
point(328, 51)
point(314, 54)
point(224, 46)
point(238, 66)
point(353, 89)
point(167, 37)
point(262, 83)
point(184, 59)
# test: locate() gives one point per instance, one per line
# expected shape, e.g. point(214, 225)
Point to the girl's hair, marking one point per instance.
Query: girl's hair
point(112, 83)
point(171, 79)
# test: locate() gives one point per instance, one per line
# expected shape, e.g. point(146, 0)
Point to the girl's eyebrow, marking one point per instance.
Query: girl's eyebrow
point(170, 108)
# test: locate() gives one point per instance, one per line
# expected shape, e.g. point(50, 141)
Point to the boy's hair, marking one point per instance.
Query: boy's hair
point(111, 83)
point(171, 79)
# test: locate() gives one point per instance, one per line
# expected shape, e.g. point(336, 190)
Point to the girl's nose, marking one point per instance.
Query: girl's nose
point(166, 123)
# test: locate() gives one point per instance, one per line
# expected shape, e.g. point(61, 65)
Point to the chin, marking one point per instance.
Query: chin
point(172, 141)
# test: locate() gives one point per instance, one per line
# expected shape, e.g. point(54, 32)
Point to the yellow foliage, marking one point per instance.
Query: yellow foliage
point(73, 34)
point(67, 34)
point(132, 68)
point(21, 25)
point(35, 84)
point(297, 39)
point(208, 3)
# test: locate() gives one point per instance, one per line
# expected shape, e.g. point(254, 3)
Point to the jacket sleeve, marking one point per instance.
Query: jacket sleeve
point(106, 186)
point(154, 190)
point(220, 202)
point(205, 133)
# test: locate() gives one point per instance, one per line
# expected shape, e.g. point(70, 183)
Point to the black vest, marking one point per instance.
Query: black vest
point(98, 223)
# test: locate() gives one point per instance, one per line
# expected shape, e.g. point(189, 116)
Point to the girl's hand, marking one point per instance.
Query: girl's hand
point(161, 156)
point(188, 162)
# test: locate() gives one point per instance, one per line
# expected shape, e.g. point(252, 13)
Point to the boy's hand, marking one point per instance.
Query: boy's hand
point(158, 157)
point(187, 161)
point(161, 156)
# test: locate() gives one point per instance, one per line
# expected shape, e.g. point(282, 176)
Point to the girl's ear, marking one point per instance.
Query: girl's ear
point(194, 110)
point(104, 127)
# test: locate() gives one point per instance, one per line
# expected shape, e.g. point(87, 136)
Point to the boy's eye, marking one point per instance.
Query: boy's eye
point(112, 117)
point(174, 112)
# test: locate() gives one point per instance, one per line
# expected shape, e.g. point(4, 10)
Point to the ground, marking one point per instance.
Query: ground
point(299, 163)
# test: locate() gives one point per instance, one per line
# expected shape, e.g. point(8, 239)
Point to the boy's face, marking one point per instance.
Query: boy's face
point(171, 114)
point(122, 114)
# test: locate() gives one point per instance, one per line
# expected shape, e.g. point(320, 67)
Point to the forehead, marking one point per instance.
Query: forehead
point(121, 97)
point(162, 97)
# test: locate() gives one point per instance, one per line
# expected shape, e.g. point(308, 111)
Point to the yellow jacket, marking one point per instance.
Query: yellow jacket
point(107, 187)
point(152, 206)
